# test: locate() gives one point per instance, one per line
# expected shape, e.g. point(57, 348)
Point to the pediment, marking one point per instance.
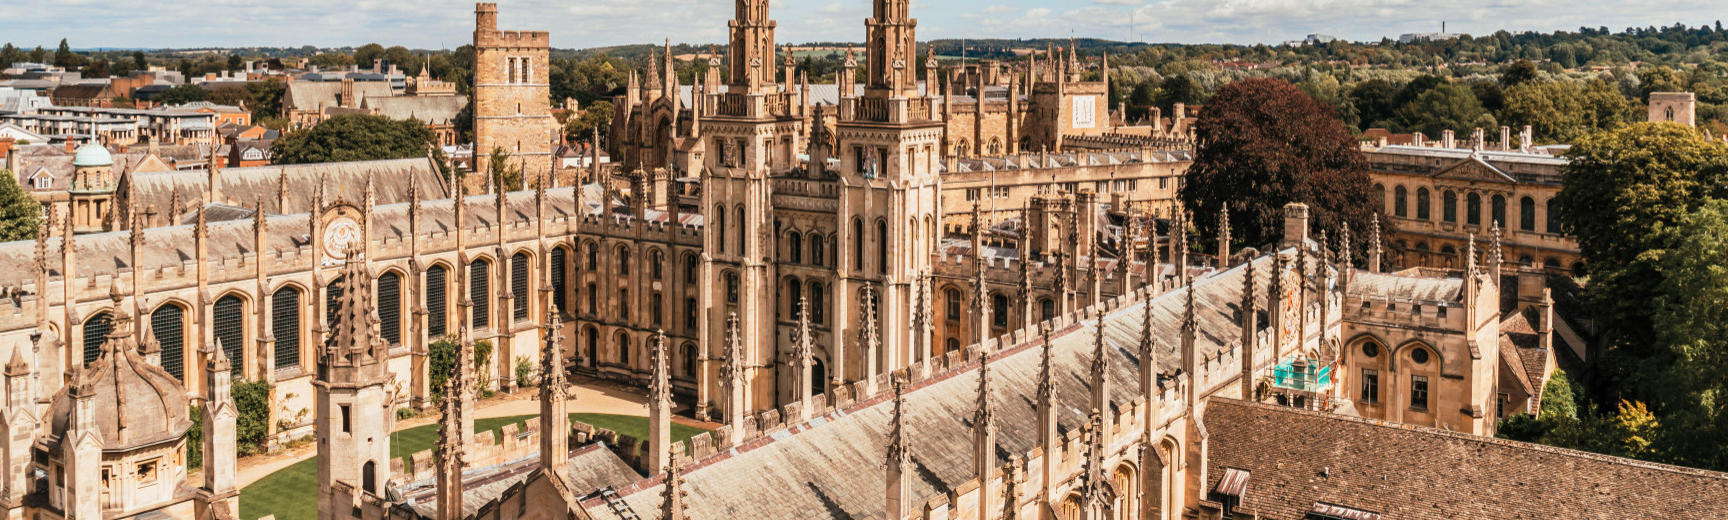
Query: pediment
point(1473, 168)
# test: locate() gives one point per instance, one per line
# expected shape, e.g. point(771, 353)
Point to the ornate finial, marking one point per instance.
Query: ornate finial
point(1093, 485)
point(802, 351)
point(1046, 382)
point(1494, 253)
point(1344, 248)
point(551, 356)
point(1188, 321)
point(660, 387)
point(851, 62)
point(1100, 359)
point(898, 454)
point(673, 497)
point(982, 413)
point(733, 369)
point(868, 334)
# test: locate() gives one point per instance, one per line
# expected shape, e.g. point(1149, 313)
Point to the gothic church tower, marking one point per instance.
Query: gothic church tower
point(512, 91)
point(352, 402)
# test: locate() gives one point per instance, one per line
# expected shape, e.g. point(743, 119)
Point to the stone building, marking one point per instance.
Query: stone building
point(512, 98)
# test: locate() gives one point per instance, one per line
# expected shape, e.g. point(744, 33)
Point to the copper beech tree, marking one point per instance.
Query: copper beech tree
point(1263, 143)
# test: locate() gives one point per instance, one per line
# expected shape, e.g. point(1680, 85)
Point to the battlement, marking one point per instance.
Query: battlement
point(514, 39)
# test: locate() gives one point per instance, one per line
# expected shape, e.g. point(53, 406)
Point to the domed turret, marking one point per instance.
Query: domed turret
point(92, 155)
point(142, 404)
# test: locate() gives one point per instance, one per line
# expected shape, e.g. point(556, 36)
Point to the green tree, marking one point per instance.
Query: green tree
point(354, 138)
point(1622, 189)
point(20, 215)
point(1450, 106)
point(1518, 73)
point(364, 55)
point(598, 116)
point(1374, 101)
point(252, 427)
point(1177, 89)
point(232, 95)
point(138, 61)
point(1692, 325)
point(10, 55)
point(266, 98)
point(64, 57)
point(1264, 143)
point(182, 94)
point(38, 55)
point(501, 173)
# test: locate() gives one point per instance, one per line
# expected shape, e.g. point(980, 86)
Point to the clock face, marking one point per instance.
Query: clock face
point(339, 235)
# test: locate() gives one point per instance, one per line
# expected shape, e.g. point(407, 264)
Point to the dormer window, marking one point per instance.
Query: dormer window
point(42, 182)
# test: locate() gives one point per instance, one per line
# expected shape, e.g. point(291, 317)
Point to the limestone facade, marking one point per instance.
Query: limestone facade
point(512, 98)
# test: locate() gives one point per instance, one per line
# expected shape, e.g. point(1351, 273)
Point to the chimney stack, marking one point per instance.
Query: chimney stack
point(1447, 139)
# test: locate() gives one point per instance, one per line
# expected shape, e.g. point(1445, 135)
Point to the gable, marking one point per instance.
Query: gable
point(150, 163)
point(1475, 169)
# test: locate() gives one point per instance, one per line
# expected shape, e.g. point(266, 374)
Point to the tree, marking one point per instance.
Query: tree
point(1450, 106)
point(10, 55)
point(182, 94)
point(266, 98)
point(64, 57)
point(20, 215)
point(138, 61)
point(232, 95)
point(364, 55)
point(252, 427)
point(1264, 143)
point(354, 138)
point(1177, 89)
point(1692, 326)
point(1518, 73)
point(598, 116)
point(1623, 188)
point(501, 173)
point(1374, 101)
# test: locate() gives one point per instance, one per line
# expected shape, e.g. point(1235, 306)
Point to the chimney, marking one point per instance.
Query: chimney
point(1416, 138)
point(70, 145)
point(1447, 140)
point(6, 147)
point(1505, 138)
point(1295, 224)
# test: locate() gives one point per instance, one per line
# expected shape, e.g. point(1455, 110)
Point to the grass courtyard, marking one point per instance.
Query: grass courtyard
point(292, 493)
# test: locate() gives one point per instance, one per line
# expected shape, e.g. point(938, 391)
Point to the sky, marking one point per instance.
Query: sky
point(436, 24)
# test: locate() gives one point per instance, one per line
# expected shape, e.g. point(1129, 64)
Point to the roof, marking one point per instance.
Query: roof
point(1417, 288)
point(140, 404)
point(311, 95)
point(82, 91)
point(1464, 153)
point(590, 468)
point(1300, 458)
point(341, 181)
point(435, 110)
point(92, 155)
point(831, 466)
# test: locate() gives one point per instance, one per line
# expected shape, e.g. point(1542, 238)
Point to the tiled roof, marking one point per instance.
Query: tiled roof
point(1418, 288)
point(1299, 458)
point(435, 110)
point(342, 181)
point(590, 468)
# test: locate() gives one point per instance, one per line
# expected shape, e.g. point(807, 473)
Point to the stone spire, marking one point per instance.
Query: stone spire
point(1046, 408)
point(555, 421)
point(1011, 488)
point(1027, 317)
point(1345, 250)
point(1100, 369)
point(732, 378)
point(1275, 306)
point(899, 457)
point(922, 320)
point(1125, 256)
point(1374, 251)
point(1495, 252)
point(18, 411)
point(1094, 483)
point(659, 407)
point(220, 422)
point(980, 293)
point(802, 356)
point(673, 497)
point(1224, 237)
point(354, 339)
point(450, 449)
point(868, 336)
point(983, 436)
point(1190, 353)
point(1148, 361)
point(1250, 332)
point(1154, 271)
point(1181, 256)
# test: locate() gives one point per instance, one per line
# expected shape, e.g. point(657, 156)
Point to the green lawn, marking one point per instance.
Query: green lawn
point(292, 493)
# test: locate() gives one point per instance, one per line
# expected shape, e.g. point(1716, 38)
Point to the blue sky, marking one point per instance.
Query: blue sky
point(589, 23)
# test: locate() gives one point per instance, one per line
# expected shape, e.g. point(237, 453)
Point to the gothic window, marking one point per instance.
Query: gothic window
point(962, 148)
point(1047, 309)
point(593, 298)
point(743, 228)
point(731, 287)
point(1553, 224)
point(480, 294)
point(390, 307)
point(594, 256)
point(230, 329)
point(950, 345)
point(1379, 195)
point(623, 347)
point(655, 310)
point(952, 298)
point(168, 325)
point(1527, 214)
point(1473, 210)
point(1400, 207)
point(656, 264)
point(882, 246)
point(623, 261)
point(720, 228)
point(332, 299)
point(688, 357)
point(560, 262)
point(1449, 206)
point(285, 312)
point(690, 314)
point(1422, 203)
point(816, 249)
point(519, 286)
point(593, 337)
point(1500, 210)
point(857, 244)
point(1419, 392)
point(1370, 385)
point(999, 310)
point(795, 248)
point(624, 305)
point(995, 146)
point(96, 331)
point(691, 269)
point(817, 304)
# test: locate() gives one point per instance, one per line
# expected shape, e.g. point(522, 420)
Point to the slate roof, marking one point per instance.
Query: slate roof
point(590, 468)
point(311, 95)
point(436, 110)
point(344, 181)
point(1401, 287)
point(832, 467)
point(1298, 458)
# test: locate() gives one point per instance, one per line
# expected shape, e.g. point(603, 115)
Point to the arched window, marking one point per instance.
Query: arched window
point(999, 310)
point(230, 329)
point(285, 313)
point(1473, 210)
point(656, 310)
point(593, 337)
point(332, 299)
point(951, 297)
point(795, 248)
point(690, 314)
point(731, 287)
point(1553, 217)
point(1380, 196)
point(623, 346)
point(369, 477)
point(881, 246)
point(623, 254)
point(858, 244)
point(436, 300)
point(743, 230)
point(951, 345)
point(1500, 210)
point(593, 298)
point(1422, 203)
point(692, 269)
point(688, 360)
point(593, 252)
point(961, 148)
point(656, 265)
point(624, 305)
point(168, 324)
point(480, 293)
point(390, 307)
point(1400, 206)
point(794, 292)
point(519, 287)
point(816, 249)
point(720, 228)
point(1046, 309)
point(96, 331)
point(1527, 214)
point(560, 263)
point(1449, 206)
point(817, 304)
